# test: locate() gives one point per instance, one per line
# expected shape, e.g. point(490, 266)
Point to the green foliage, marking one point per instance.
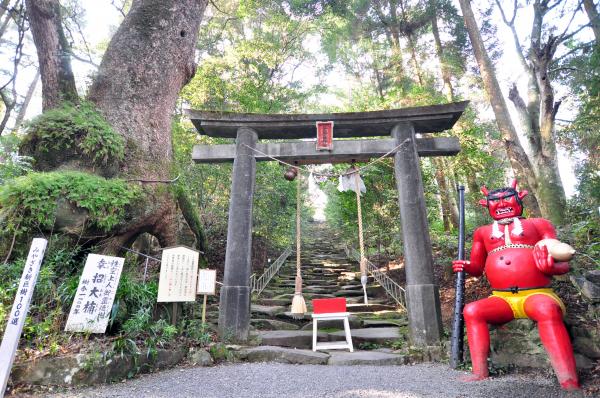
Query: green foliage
point(198, 332)
point(11, 163)
point(30, 202)
point(78, 129)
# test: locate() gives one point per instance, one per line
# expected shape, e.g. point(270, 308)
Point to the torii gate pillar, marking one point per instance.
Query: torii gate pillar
point(234, 307)
point(423, 304)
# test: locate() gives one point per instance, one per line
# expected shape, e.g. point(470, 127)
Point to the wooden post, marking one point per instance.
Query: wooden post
point(174, 316)
point(424, 314)
point(234, 306)
point(204, 310)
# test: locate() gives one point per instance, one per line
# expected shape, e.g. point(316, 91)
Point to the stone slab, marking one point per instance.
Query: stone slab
point(289, 338)
point(370, 307)
point(283, 355)
point(354, 321)
point(267, 310)
point(385, 322)
point(376, 358)
point(273, 324)
point(369, 335)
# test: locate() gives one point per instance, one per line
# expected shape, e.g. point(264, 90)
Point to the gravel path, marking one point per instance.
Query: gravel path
point(293, 381)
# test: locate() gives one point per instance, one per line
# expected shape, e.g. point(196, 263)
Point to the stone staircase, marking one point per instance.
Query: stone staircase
point(379, 330)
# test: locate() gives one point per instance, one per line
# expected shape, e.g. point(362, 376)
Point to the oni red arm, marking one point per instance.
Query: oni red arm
point(478, 256)
point(544, 262)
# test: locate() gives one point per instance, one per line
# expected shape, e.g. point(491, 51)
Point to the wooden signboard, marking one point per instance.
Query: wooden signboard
point(207, 281)
point(93, 301)
point(178, 275)
point(20, 308)
point(324, 136)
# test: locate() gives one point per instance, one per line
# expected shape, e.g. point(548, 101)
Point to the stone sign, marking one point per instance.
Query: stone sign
point(207, 281)
point(93, 301)
point(16, 318)
point(178, 275)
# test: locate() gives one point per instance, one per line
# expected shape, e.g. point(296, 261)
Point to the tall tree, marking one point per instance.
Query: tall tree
point(148, 60)
point(58, 81)
point(538, 113)
point(592, 12)
point(519, 161)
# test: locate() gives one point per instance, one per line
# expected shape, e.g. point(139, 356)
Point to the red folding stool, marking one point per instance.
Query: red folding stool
point(327, 309)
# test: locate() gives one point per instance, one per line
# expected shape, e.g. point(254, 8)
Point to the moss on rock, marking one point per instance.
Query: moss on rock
point(33, 201)
point(76, 134)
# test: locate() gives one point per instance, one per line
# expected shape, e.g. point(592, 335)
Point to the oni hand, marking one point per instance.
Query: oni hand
point(459, 265)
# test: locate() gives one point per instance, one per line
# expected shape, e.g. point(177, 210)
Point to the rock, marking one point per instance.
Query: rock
point(284, 355)
point(289, 338)
point(593, 276)
point(517, 343)
point(92, 368)
point(369, 335)
point(587, 346)
point(342, 358)
point(591, 291)
point(199, 357)
point(219, 352)
point(583, 362)
point(273, 324)
point(588, 289)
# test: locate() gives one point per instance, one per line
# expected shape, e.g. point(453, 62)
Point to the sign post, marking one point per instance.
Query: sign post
point(178, 274)
point(20, 308)
point(207, 281)
point(95, 294)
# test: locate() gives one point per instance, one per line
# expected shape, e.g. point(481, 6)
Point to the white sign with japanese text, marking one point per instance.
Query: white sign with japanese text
point(20, 308)
point(207, 281)
point(93, 301)
point(178, 275)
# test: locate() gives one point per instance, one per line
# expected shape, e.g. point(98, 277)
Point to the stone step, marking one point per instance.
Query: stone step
point(369, 308)
point(273, 324)
point(369, 335)
point(342, 358)
point(267, 310)
point(368, 323)
point(289, 338)
point(273, 302)
point(307, 296)
point(355, 323)
point(283, 355)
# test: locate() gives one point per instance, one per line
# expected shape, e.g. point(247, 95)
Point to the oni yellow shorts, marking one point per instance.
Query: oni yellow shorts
point(517, 300)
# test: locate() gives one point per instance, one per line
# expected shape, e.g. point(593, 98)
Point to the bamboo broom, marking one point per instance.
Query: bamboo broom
point(298, 304)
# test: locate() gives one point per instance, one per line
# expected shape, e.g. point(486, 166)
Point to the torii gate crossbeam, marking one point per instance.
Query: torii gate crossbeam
point(404, 126)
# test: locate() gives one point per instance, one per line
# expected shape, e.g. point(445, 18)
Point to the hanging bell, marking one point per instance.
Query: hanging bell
point(291, 173)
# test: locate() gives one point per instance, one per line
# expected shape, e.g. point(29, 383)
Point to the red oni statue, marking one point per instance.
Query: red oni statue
point(520, 274)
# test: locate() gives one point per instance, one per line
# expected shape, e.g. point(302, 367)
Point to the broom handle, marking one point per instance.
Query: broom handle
point(298, 282)
point(457, 341)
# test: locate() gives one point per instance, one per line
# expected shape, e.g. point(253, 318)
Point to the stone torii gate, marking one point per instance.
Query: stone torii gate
point(406, 127)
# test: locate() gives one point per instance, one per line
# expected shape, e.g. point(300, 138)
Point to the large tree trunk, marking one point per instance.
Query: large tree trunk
point(592, 13)
point(58, 82)
point(439, 50)
point(538, 115)
point(28, 96)
point(148, 61)
point(518, 158)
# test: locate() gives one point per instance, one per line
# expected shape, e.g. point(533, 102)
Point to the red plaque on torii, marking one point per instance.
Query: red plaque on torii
point(324, 136)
